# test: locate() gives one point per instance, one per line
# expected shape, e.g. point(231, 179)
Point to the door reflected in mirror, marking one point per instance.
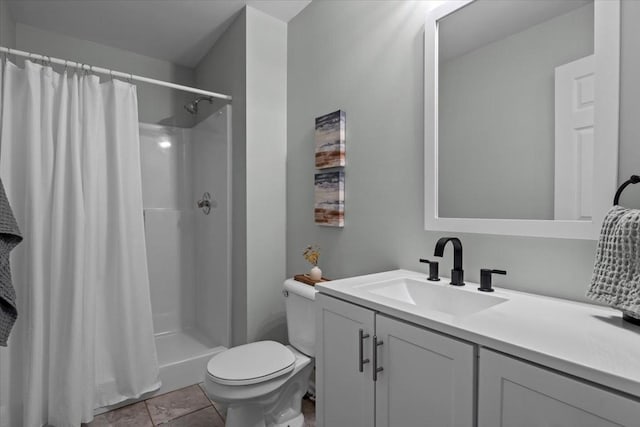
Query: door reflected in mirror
point(498, 106)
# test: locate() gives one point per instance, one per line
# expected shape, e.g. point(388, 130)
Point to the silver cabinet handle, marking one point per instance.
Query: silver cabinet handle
point(376, 369)
point(361, 362)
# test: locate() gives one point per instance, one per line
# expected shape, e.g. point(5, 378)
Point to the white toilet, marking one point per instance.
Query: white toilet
point(263, 382)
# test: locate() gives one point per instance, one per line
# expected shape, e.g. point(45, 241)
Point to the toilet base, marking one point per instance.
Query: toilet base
point(295, 422)
point(245, 415)
point(253, 416)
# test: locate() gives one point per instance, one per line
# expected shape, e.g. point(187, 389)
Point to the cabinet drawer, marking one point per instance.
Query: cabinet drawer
point(513, 393)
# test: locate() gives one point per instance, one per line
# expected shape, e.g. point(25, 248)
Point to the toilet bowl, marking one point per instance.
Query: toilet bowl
point(263, 382)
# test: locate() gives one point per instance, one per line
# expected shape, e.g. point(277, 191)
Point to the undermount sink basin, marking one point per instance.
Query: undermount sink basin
point(438, 296)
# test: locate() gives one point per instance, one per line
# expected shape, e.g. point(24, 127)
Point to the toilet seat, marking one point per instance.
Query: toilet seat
point(251, 363)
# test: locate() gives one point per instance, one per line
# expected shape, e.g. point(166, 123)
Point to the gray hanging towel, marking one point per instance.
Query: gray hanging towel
point(9, 238)
point(616, 273)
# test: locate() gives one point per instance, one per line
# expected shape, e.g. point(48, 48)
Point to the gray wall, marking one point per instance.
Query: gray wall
point(223, 69)
point(7, 26)
point(497, 118)
point(155, 104)
point(629, 159)
point(366, 57)
point(266, 175)
point(249, 63)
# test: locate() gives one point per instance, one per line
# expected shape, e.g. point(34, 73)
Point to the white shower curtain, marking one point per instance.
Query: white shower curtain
point(70, 163)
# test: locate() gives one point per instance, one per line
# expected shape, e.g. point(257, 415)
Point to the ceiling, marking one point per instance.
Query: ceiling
point(484, 22)
point(179, 31)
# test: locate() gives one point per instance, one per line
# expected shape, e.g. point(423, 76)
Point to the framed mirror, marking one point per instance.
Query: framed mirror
point(521, 116)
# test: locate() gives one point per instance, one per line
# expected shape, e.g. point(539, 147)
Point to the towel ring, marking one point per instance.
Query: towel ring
point(633, 180)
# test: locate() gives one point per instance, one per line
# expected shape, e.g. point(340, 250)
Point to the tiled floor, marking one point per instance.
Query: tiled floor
point(187, 407)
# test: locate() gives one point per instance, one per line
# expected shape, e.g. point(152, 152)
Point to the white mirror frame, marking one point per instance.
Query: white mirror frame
point(607, 67)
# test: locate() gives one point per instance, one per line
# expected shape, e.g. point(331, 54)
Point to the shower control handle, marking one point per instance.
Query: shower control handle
point(205, 203)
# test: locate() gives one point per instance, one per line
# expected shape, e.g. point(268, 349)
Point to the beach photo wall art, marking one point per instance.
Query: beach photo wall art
point(330, 140)
point(330, 136)
point(329, 194)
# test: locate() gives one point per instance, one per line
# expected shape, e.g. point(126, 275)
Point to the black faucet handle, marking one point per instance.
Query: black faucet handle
point(485, 278)
point(433, 270)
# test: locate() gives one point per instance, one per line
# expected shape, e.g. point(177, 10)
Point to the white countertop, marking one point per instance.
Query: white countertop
point(584, 340)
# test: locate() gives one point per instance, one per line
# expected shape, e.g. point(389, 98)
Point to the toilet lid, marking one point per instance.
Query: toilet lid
point(251, 363)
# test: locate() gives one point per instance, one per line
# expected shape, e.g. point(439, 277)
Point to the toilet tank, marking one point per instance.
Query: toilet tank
point(299, 302)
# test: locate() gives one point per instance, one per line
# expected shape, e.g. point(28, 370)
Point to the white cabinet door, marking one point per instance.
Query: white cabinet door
point(512, 393)
point(427, 378)
point(345, 396)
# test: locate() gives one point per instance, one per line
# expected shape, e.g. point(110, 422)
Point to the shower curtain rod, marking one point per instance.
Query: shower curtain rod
point(112, 73)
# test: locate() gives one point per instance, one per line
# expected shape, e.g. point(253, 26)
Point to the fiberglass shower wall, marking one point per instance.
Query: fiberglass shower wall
point(188, 251)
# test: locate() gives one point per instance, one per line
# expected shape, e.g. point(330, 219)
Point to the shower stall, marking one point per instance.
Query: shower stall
point(95, 193)
point(186, 189)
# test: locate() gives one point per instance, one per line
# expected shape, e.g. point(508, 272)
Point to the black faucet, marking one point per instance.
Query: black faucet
point(457, 274)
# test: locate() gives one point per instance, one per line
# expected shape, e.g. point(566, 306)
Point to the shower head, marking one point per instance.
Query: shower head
point(192, 107)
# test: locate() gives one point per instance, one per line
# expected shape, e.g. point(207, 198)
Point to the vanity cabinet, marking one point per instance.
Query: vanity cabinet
point(513, 393)
point(427, 379)
point(344, 396)
point(449, 360)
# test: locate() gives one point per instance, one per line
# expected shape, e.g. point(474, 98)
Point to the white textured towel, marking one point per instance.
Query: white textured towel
point(616, 273)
